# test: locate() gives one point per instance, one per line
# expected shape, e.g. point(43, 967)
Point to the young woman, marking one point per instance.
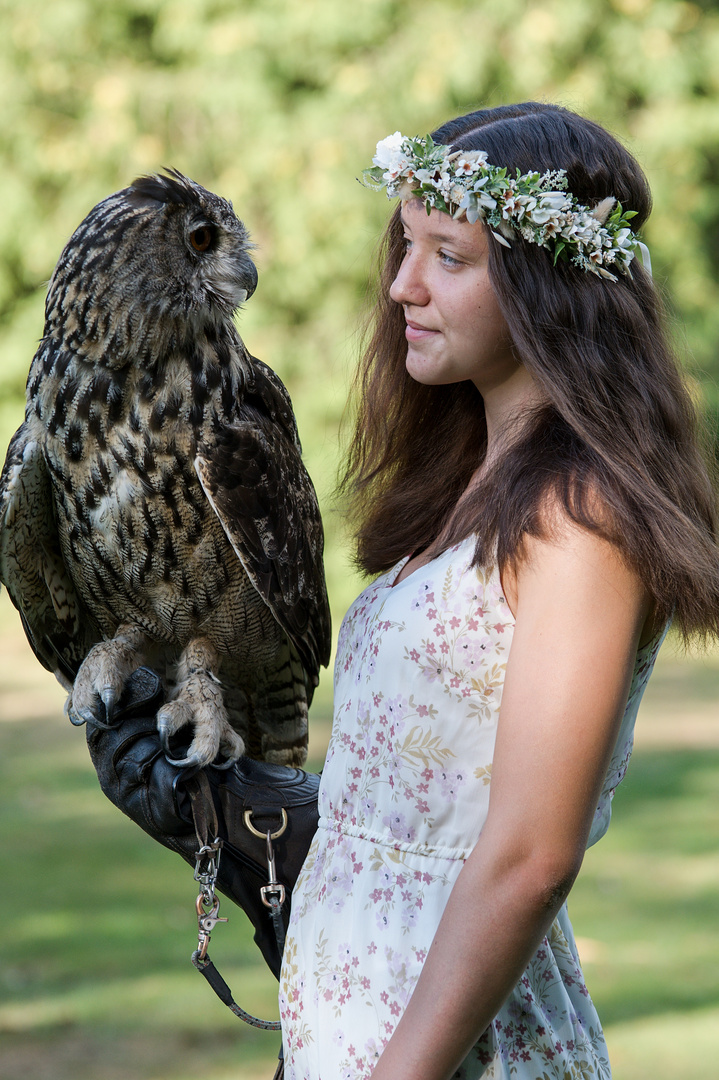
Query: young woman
point(525, 478)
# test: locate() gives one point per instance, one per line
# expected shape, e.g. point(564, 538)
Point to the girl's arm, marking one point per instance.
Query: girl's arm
point(579, 616)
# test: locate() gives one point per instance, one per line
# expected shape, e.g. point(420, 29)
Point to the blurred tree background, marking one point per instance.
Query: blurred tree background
point(278, 105)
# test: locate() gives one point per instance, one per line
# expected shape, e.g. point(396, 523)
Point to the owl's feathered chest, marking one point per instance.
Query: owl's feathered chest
point(132, 517)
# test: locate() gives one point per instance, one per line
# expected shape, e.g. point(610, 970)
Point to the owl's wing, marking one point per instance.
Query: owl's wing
point(255, 481)
point(31, 563)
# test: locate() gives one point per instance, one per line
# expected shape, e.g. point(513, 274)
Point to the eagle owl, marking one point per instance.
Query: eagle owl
point(154, 508)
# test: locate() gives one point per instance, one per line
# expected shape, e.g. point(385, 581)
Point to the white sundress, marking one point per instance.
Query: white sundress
point(404, 795)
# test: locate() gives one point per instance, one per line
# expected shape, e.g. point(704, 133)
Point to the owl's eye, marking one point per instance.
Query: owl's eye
point(202, 238)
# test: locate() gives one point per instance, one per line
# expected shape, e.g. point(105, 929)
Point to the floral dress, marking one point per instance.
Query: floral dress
point(404, 794)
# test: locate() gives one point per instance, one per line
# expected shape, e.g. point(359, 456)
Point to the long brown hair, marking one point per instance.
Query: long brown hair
point(616, 442)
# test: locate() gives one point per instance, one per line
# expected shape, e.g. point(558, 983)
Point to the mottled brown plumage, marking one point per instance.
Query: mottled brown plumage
point(153, 505)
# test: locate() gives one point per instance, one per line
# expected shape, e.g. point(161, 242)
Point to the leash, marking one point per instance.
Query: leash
point(207, 905)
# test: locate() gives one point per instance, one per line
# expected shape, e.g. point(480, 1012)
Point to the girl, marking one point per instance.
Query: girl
point(525, 478)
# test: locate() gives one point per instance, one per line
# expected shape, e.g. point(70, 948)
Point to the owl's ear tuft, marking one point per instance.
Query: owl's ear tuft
point(173, 188)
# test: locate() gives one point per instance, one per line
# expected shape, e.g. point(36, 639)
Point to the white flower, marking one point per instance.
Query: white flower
point(389, 150)
point(513, 207)
point(625, 256)
point(470, 162)
point(554, 200)
point(552, 228)
point(395, 170)
point(485, 200)
point(478, 157)
point(542, 214)
point(581, 232)
point(474, 204)
point(442, 183)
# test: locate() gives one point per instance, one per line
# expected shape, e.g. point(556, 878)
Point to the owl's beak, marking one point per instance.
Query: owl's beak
point(250, 280)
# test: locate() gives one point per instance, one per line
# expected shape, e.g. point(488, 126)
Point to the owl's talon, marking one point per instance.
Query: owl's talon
point(102, 725)
point(166, 728)
point(183, 763)
point(75, 719)
point(226, 764)
point(195, 760)
point(91, 718)
point(78, 717)
point(162, 731)
point(109, 698)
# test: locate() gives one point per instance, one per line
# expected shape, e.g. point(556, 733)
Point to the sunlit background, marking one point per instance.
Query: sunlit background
point(277, 104)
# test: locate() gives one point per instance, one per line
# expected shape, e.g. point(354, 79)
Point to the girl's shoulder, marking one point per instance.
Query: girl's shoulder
point(564, 563)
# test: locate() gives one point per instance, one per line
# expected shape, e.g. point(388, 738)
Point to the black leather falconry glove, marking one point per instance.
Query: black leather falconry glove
point(137, 777)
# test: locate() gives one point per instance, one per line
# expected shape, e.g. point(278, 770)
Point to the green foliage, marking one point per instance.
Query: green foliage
point(278, 106)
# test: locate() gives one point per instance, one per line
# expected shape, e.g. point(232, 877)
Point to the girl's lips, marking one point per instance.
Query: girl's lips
point(415, 332)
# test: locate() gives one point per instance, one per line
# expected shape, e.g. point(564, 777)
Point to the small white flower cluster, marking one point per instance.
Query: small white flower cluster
point(538, 207)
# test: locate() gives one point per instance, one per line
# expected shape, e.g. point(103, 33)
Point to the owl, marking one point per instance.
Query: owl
point(154, 508)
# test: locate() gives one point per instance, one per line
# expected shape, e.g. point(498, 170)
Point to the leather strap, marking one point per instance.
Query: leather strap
point(204, 817)
point(218, 984)
point(204, 814)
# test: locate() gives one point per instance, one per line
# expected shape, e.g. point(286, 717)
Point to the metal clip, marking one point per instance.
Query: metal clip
point(273, 893)
point(206, 922)
point(209, 857)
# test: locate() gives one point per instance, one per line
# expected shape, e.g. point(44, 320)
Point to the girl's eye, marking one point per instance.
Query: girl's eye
point(407, 244)
point(449, 260)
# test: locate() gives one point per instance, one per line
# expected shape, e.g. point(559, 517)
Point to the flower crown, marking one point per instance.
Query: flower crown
point(538, 207)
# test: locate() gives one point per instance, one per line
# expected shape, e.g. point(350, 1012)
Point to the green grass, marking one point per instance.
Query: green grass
point(648, 896)
point(98, 933)
point(95, 979)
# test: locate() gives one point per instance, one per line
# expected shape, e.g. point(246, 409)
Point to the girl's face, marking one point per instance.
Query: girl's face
point(455, 329)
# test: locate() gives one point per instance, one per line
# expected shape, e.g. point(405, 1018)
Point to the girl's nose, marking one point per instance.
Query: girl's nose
point(409, 286)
